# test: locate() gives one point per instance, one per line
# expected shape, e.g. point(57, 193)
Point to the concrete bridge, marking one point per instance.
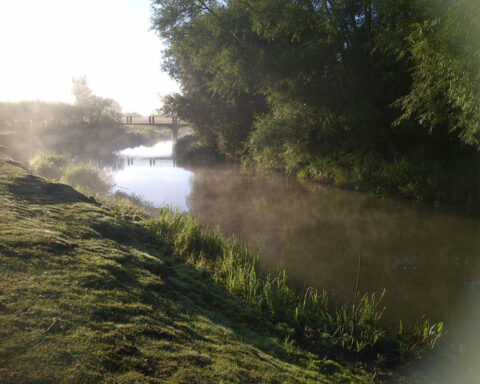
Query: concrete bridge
point(162, 122)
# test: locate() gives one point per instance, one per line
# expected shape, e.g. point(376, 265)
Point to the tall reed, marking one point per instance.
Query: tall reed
point(230, 263)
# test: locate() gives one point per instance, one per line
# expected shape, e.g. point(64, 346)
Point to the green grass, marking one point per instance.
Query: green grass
point(87, 177)
point(88, 295)
point(451, 178)
point(84, 177)
point(49, 165)
point(305, 316)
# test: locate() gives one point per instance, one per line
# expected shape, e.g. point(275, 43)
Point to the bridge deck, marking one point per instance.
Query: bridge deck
point(146, 120)
point(178, 125)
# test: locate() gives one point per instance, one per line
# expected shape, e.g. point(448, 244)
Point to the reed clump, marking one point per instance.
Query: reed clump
point(314, 320)
point(84, 177)
point(49, 165)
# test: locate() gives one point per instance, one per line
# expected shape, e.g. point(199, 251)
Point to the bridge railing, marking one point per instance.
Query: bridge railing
point(149, 120)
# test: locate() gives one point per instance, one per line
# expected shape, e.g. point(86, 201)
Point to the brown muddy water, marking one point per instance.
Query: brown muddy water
point(427, 258)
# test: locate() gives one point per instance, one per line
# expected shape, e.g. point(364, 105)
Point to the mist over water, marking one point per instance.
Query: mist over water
point(425, 258)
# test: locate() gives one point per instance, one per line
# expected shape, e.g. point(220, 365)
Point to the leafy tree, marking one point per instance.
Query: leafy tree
point(381, 86)
point(97, 108)
point(445, 54)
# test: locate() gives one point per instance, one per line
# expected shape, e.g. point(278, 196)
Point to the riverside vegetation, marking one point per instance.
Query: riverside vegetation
point(381, 96)
point(96, 291)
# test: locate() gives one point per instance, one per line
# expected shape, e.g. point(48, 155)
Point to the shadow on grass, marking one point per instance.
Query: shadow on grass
point(126, 303)
point(193, 291)
point(39, 191)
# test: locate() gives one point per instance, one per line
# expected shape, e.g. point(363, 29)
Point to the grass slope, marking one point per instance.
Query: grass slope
point(87, 296)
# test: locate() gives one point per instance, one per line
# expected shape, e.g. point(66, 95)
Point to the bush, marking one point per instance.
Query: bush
point(191, 149)
point(280, 140)
point(49, 165)
point(88, 178)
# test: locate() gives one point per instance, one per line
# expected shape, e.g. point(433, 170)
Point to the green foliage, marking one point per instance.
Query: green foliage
point(98, 108)
point(228, 262)
point(423, 332)
point(281, 140)
point(88, 178)
point(445, 55)
point(49, 165)
point(191, 149)
point(305, 84)
point(422, 176)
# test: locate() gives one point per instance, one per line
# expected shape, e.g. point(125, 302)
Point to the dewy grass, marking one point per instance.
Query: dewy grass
point(352, 327)
point(84, 177)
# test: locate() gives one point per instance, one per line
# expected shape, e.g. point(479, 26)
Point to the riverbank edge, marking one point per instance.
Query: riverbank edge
point(404, 179)
point(51, 229)
point(192, 150)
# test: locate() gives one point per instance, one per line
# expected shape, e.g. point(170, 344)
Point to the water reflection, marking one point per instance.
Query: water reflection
point(163, 149)
point(150, 172)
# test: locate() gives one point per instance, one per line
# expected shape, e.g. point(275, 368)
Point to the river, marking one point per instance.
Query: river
point(427, 258)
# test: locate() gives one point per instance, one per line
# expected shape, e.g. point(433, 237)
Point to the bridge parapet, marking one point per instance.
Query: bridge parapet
point(152, 120)
point(166, 122)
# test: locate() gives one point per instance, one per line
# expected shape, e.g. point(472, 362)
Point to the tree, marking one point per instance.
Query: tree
point(97, 108)
point(81, 91)
point(444, 51)
point(389, 87)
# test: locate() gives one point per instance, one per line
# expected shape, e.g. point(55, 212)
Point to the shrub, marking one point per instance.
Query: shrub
point(280, 140)
point(49, 165)
point(88, 178)
point(191, 149)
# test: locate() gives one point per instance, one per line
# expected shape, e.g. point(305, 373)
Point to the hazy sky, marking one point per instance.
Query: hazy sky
point(44, 43)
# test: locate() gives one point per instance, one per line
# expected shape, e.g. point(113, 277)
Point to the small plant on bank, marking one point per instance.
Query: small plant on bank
point(49, 165)
point(88, 178)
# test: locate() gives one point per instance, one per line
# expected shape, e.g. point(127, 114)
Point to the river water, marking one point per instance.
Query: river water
point(426, 258)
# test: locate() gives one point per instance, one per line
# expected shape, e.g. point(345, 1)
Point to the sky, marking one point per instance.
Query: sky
point(44, 43)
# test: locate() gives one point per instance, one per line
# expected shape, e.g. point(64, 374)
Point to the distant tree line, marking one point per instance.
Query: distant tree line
point(379, 95)
point(87, 128)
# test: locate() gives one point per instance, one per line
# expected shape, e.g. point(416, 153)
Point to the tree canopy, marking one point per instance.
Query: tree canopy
point(291, 82)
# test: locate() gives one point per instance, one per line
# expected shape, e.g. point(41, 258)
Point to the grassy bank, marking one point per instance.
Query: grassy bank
point(97, 293)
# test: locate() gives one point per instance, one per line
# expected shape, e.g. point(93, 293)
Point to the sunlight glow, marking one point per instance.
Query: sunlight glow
point(45, 43)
